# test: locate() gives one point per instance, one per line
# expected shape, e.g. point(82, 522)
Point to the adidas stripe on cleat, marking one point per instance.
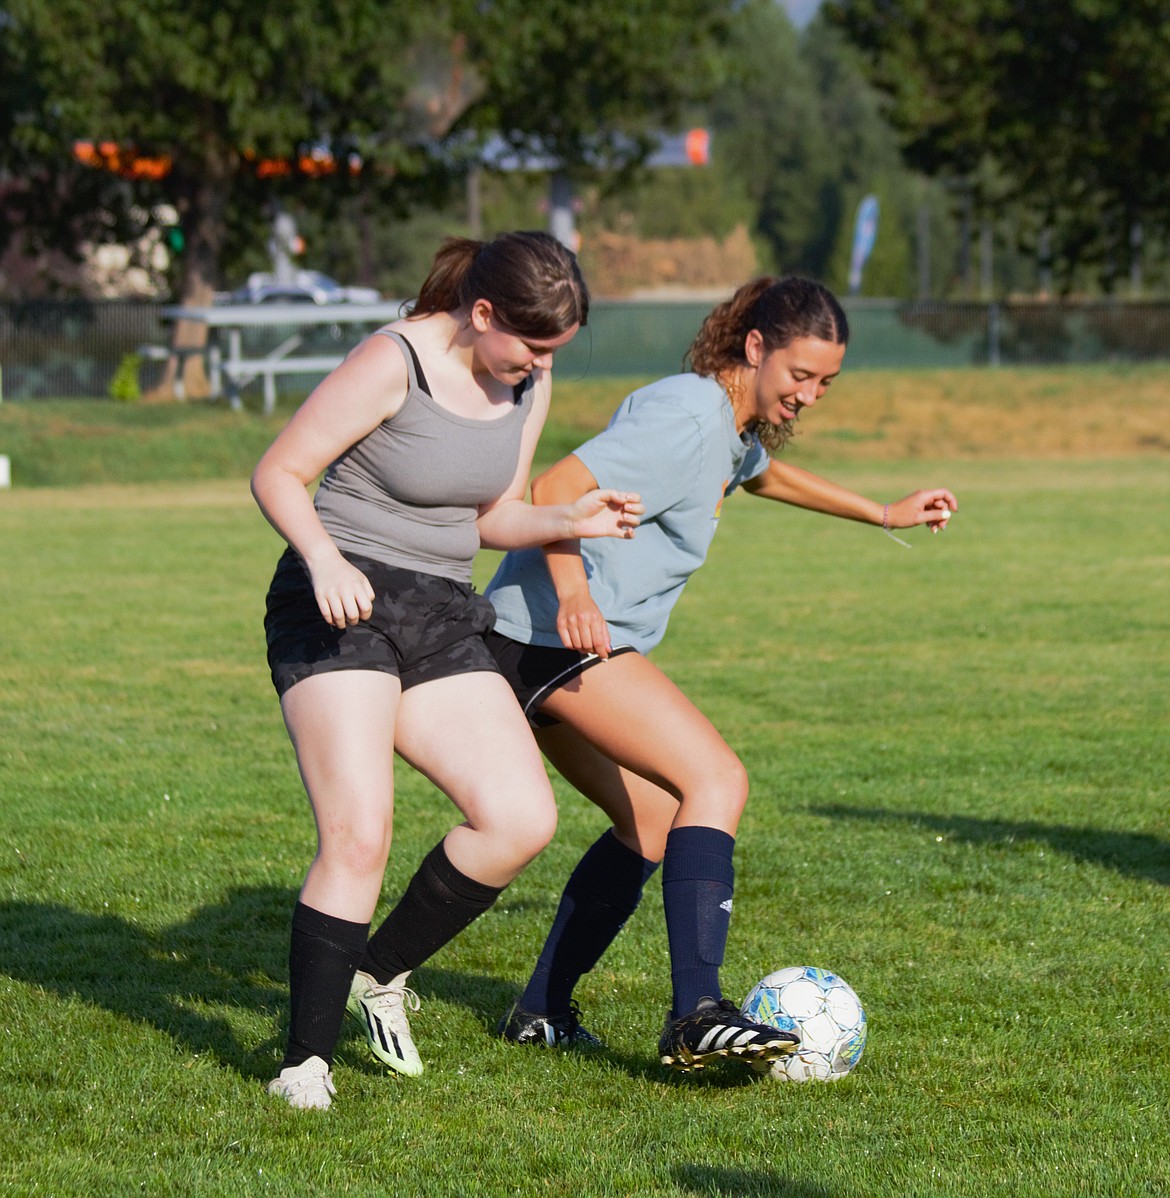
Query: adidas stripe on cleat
point(381, 1012)
point(717, 1028)
point(553, 1031)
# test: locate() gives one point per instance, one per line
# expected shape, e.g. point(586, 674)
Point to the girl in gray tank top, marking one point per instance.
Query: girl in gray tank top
point(409, 493)
point(425, 434)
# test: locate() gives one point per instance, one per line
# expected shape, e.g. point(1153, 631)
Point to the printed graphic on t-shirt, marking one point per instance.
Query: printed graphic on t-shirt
point(722, 497)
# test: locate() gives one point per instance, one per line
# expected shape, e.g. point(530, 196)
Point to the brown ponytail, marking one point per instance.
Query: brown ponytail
point(532, 282)
point(440, 292)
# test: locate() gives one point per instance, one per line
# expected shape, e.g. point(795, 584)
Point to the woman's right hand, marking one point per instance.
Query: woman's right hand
point(605, 513)
point(342, 591)
point(581, 625)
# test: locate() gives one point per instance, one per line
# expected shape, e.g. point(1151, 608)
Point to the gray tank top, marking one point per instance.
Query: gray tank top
point(409, 492)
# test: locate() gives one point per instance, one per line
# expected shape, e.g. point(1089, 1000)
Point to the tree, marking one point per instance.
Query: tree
point(218, 96)
point(769, 134)
point(1063, 108)
point(802, 131)
point(865, 159)
point(587, 87)
point(207, 92)
point(592, 83)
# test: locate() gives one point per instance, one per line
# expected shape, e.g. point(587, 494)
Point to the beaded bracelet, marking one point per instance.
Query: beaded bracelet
point(886, 528)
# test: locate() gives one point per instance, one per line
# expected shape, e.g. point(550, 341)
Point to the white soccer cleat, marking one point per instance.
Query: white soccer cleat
point(381, 1011)
point(307, 1086)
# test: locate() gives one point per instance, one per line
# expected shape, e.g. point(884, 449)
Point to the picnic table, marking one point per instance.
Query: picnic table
point(230, 368)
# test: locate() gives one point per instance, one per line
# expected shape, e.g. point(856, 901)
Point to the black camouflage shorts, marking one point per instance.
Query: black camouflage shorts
point(423, 627)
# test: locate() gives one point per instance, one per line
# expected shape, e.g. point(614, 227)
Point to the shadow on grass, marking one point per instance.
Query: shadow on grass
point(226, 955)
point(709, 1179)
point(186, 979)
point(1136, 854)
point(488, 998)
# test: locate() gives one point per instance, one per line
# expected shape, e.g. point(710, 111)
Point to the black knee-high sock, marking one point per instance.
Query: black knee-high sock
point(698, 880)
point(602, 893)
point(438, 904)
point(322, 957)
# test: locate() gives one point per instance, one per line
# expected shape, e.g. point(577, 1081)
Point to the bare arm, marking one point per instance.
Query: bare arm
point(801, 488)
point(511, 523)
point(367, 388)
point(579, 620)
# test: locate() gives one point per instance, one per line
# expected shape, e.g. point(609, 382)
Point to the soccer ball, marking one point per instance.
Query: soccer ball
point(823, 1010)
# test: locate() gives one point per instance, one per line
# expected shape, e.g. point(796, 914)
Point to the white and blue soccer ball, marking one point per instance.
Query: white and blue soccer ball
point(823, 1010)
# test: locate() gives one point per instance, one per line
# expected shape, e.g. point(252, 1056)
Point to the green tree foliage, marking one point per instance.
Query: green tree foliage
point(864, 159)
point(214, 87)
point(769, 133)
point(218, 86)
point(801, 129)
point(592, 81)
point(1062, 107)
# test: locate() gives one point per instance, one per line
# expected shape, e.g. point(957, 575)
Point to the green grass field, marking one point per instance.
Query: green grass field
point(958, 756)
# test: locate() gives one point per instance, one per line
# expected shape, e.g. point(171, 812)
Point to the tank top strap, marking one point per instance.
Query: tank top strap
point(414, 370)
point(418, 379)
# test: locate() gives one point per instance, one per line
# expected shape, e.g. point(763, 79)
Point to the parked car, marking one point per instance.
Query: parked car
point(305, 287)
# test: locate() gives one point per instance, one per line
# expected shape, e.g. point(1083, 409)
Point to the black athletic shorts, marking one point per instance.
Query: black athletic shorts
point(535, 671)
point(422, 627)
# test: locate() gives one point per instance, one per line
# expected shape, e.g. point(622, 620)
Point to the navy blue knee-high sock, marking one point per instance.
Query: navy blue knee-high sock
point(602, 893)
point(322, 957)
point(698, 880)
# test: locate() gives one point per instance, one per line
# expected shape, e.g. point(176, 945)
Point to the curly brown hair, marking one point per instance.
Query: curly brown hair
point(781, 310)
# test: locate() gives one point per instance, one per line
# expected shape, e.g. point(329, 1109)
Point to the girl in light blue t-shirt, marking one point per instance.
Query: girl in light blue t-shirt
point(625, 735)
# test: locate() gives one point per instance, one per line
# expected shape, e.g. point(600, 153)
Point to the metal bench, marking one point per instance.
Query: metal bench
point(241, 371)
point(229, 371)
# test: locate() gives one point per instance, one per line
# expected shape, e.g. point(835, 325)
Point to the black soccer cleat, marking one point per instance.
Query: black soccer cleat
point(717, 1028)
point(553, 1031)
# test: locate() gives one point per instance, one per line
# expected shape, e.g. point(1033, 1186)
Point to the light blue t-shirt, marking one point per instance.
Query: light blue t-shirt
point(676, 444)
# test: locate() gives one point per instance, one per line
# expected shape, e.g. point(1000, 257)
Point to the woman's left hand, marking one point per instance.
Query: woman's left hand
point(932, 508)
point(605, 514)
point(582, 626)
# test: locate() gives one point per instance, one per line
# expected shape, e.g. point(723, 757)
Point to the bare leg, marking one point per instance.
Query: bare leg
point(642, 812)
point(342, 727)
point(468, 735)
point(660, 748)
point(632, 714)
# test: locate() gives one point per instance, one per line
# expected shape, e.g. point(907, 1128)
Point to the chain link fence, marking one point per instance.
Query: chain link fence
point(63, 349)
point(74, 348)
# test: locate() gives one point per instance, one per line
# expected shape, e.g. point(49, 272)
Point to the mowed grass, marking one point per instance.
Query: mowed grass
point(959, 802)
point(875, 415)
